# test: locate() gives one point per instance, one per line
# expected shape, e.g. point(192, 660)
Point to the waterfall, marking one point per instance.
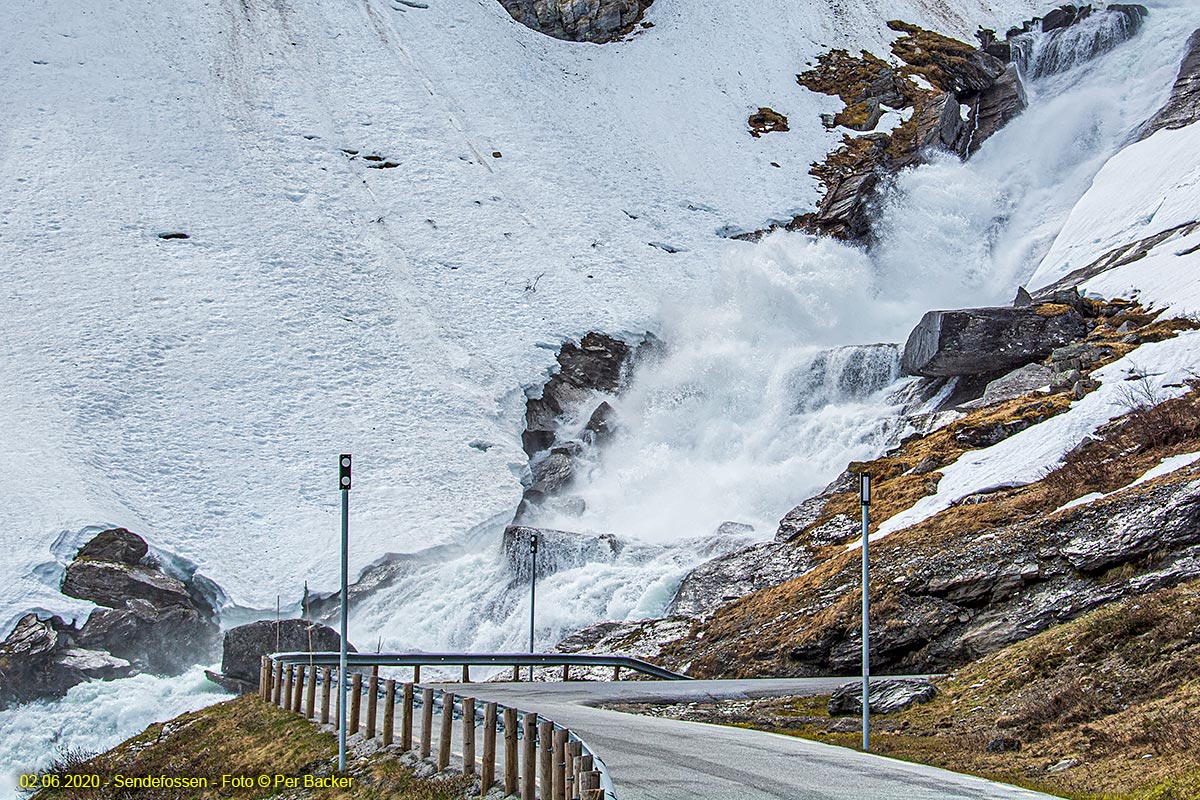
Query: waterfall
point(773, 378)
point(1037, 53)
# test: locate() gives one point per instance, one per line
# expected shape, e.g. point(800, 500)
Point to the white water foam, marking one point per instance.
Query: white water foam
point(94, 717)
point(767, 390)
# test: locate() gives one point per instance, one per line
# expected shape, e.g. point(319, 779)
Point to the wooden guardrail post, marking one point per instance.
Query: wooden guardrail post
point(262, 678)
point(310, 694)
point(446, 732)
point(591, 786)
point(426, 721)
point(417, 673)
point(510, 752)
point(285, 697)
point(466, 673)
point(516, 673)
point(468, 730)
point(546, 759)
point(298, 695)
point(529, 757)
point(487, 771)
point(277, 684)
point(406, 718)
point(566, 672)
point(389, 710)
point(372, 703)
point(574, 752)
point(560, 764)
point(326, 679)
point(355, 704)
point(617, 672)
point(585, 765)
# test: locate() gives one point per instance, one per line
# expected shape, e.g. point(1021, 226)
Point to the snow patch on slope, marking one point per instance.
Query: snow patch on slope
point(1027, 456)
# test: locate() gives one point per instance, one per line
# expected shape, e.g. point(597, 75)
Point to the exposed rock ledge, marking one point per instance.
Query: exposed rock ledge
point(579, 20)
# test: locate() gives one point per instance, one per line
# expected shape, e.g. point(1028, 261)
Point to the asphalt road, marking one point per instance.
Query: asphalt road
point(650, 758)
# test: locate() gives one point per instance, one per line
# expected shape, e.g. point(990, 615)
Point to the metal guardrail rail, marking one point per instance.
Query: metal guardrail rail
point(281, 691)
point(482, 660)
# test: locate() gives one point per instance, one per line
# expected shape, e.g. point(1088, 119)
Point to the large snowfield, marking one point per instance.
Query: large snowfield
point(198, 390)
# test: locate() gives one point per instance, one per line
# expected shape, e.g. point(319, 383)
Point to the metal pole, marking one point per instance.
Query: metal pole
point(344, 484)
point(533, 545)
point(865, 499)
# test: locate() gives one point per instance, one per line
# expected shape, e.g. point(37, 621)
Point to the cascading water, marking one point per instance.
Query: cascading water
point(773, 381)
point(1045, 53)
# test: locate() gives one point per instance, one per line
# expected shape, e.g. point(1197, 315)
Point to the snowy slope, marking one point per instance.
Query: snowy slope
point(196, 390)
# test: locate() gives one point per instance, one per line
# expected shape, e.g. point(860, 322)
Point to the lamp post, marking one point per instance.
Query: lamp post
point(864, 496)
point(344, 486)
point(533, 547)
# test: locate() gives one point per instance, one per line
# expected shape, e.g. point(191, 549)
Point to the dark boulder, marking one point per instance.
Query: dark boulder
point(163, 641)
point(117, 544)
point(40, 658)
point(602, 425)
point(245, 645)
point(111, 583)
point(887, 696)
point(980, 341)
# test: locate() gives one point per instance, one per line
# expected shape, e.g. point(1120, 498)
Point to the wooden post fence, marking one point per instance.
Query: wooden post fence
point(285, 697)
point(487, 771)
point(548, 766)
point(447, 730)
point(466, 673)
point(426, 721)
point(510, 752)
point(406, 718)
point(326, 679)
point(546, 759)
point(389, 710)
point(560, 764)
point(529, 759)
point(417, 674)
point(372, 703)
point(468, 730)
point(355, 704)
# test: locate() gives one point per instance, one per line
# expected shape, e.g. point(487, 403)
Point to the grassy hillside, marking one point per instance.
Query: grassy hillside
point(1103, 708)
point(248, 738)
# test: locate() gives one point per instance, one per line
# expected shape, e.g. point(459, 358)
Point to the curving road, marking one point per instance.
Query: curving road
point(661, 759)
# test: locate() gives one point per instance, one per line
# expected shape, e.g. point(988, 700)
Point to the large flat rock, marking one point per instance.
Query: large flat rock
point(981, 341)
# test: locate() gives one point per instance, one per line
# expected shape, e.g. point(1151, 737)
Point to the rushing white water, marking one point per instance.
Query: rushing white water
point(94, 717)
point(1039, 54)
point(769, 387)
point(767, 390)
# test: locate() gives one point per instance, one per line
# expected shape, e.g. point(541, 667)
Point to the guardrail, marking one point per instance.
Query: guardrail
point(555, 763)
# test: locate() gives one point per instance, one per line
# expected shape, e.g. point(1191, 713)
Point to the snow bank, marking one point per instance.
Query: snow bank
point(1027, 456)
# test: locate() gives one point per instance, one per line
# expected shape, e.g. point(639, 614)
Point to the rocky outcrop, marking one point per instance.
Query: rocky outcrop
point(1183, 106)
point(940, 77)
point(720, 580)
point(245, 645)
point(767, 120)
point(149, 621)
point(981, 341)
point(573, 413)
point(888, 695)
point(1058, 42)
point(579, 20)
point(556, 550)
point(40, 658)
point(949, 599)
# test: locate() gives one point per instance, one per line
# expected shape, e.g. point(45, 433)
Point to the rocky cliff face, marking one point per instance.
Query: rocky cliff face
point(579, 20)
